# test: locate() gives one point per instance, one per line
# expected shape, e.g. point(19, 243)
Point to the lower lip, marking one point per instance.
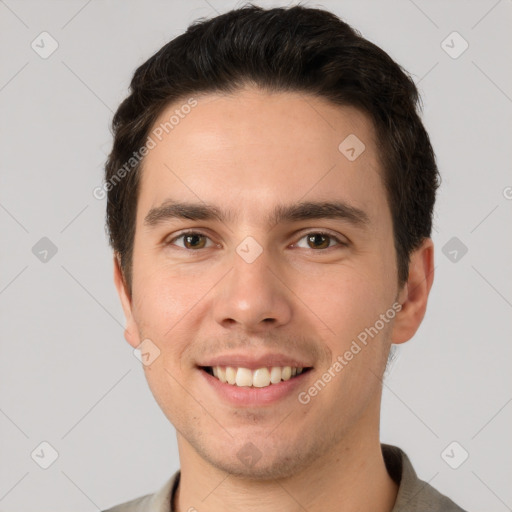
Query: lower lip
point(251, 396)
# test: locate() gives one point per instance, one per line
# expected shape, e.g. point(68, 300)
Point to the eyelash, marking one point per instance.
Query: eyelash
point(323, 233)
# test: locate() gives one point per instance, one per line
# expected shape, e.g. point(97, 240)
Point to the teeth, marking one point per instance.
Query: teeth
point(221, 373)
point(230, 374)
point(275, 375)
point(259, 378)
point(243, 377)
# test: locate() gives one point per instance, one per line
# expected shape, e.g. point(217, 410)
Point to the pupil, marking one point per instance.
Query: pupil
point(314, 238)
point(192, 237)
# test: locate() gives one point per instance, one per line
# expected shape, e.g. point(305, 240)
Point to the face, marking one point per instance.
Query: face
point(279, 254)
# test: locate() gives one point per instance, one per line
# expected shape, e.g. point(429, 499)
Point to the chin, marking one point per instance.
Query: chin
point(261, 459)
point(262, 470)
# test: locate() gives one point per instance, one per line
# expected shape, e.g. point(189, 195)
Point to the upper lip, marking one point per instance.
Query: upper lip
point(252, 362)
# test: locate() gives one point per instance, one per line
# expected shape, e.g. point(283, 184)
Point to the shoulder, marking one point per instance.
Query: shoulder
point(413, 493)
point(136, 505)
point(159, 501)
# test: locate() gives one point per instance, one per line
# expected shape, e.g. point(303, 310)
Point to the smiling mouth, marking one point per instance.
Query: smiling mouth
point(258, 378)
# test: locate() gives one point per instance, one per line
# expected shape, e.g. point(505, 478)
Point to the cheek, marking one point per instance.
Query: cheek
point(345, 299)
point(166, 385)
point(163, 295)
point(348, 303)
point(171, 304)
point(161, 303)
point(163, 314)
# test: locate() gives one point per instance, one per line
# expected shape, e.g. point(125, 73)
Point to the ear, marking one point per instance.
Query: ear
point(414, 294)
point(131, 332)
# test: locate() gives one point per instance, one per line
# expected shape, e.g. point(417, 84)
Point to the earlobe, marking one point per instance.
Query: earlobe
point(414, 295)
point(131, 332)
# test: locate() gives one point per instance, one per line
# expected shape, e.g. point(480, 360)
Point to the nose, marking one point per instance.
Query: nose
point(253, 297)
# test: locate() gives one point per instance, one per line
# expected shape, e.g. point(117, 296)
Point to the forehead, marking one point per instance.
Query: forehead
point(253, 149)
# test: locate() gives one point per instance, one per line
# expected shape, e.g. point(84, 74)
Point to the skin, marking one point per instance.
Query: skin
point(249, 151)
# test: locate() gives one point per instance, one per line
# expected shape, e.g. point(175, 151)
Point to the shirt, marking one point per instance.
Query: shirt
point(414, 495)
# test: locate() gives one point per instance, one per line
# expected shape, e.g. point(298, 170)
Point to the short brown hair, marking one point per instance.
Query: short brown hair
point(280, 49)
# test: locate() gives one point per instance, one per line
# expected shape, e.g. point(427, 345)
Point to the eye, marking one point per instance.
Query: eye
point(320, 240)
point(191, 240)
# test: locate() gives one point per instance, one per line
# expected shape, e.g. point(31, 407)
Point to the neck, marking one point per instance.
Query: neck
point(351, 476)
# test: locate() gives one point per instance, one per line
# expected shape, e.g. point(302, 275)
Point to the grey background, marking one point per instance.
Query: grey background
point(68, 377)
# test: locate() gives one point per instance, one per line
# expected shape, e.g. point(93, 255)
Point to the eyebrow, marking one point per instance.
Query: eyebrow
point(281, 213)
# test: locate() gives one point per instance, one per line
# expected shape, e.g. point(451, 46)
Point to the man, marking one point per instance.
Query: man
point(270, 198)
